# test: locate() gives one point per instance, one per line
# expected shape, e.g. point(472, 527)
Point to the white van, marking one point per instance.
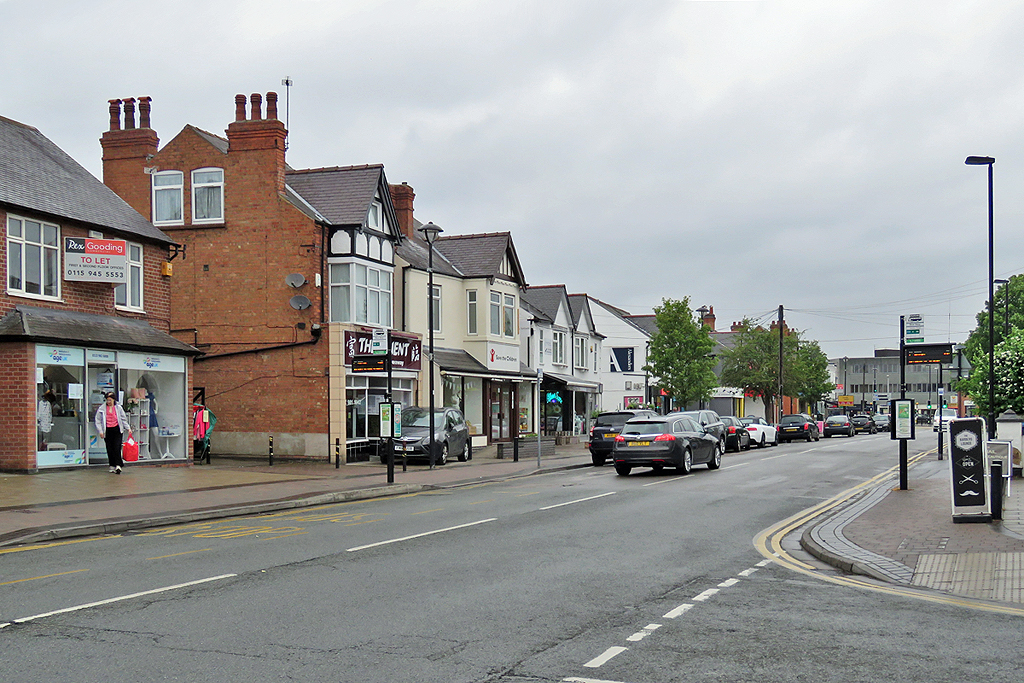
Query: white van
point(947, 414)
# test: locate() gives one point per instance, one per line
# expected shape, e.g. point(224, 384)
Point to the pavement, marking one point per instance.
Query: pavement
point(901, 537)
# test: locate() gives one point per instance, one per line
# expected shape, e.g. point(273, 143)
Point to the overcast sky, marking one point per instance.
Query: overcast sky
point(745, 154)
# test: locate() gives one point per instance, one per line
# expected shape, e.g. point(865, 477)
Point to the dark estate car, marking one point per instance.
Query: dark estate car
point(451, 435)
point(864, 423)
point(839, 424)
point(710, 421)
point(606, 427)
point(736, 435)
point(798, 426)
point(675, 440)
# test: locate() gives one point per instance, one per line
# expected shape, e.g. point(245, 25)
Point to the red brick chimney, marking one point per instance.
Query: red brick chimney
point(708, 317)
point(260, 140)
point(402, 197)
point(127, 151)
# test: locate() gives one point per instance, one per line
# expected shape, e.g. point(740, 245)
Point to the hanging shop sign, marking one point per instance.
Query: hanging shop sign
point(405, 351)
point(95, 260)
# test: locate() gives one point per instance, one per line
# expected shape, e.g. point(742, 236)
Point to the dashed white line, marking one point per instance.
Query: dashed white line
point(664, 481)
point(574, 679)
point(425, 533)
point(728, 582)
point(643, 633)
point(121, 598)
point(682, 609)
point(739, 464)
point(763, 563)
point(705, 595)
point(748, 572)
point(581, 500)
point(605, 656)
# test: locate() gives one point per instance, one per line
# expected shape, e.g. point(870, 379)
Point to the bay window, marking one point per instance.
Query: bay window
point(360, 294)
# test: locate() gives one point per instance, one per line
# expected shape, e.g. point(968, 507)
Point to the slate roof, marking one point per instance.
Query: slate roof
point(342, 194)
point(546, 299)
point(63, 327)
point(221, 144)
point(416, 252)
point(480, 255)
point(458, 360)
point(38, 176)
point(647, 323)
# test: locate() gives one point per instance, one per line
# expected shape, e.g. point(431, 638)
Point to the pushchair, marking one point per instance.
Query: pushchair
point(203, 421)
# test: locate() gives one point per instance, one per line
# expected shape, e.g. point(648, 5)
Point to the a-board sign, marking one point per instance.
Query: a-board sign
point(967, 461)
point(929, 353)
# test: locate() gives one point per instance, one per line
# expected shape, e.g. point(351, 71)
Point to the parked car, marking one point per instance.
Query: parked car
point(675, 440)
point(606, 427)
point(451, 435)
point(710, 421)
point(864, 423)
point(881, 421)
point(798, 426)
point(761, 433)
point(947, 415)
point(736, 435)
point(840, 425)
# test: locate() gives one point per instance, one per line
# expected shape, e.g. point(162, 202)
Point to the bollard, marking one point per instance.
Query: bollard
point(337, 454)
point(469, 447)
point(271, 450)
point(515, 449)
point(996, 490)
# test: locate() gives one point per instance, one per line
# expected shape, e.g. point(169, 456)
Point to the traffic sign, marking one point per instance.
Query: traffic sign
point(379, 341)
point(915, 340)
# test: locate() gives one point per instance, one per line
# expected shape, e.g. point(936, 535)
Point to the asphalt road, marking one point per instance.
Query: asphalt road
point(573, 576)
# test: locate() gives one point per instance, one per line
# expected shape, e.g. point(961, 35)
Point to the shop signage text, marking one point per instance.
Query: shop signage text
point(405, 351)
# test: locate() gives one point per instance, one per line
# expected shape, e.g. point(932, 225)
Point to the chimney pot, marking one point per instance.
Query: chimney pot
point(115, 114)
point(256, 102)
point(272, 105)
point(239, 107)
point(129, 113)
point(144, 108)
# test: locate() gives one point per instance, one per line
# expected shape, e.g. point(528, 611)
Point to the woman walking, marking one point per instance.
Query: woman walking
point(112, 423)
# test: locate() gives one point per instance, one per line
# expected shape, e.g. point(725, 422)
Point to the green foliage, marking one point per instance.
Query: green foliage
point(680, 354)
point(976, 349)
point(1009, 374)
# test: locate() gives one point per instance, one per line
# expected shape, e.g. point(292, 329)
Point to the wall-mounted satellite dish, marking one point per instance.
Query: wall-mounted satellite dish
point(295, 280)
point(299, 302)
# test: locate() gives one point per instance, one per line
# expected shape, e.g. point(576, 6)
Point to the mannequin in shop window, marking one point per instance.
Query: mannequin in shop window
point(44, 417)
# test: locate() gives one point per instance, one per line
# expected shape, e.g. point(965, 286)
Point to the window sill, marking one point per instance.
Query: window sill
point(128, 309)
point(37, 297)
point(169, 224)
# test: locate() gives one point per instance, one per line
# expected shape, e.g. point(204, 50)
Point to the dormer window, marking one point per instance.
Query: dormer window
point(373, 217)
point(208, 195)
point(168, 187)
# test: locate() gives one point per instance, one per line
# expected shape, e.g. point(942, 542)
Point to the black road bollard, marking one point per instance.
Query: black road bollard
point(337, 454)
point(997, 490)
point(469, 448)
point(515, 449)
point(271, 450)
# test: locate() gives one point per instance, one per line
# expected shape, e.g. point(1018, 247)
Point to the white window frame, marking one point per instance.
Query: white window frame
point(495, 314)
point(471, 313)
point(375, 216)
point(361, 293)
point(20, 244)
point(558, 347)
point(169, 188)
point(540, 346)
point(135, 274)
point(579, 352)
point(508, 316)
point(435, 302)
point(201, 185)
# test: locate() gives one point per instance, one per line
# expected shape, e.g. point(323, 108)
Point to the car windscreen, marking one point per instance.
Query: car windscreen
point(748, 421)
point(642, 428)
point(793, 420)
point(613, 420)
point(412, 417)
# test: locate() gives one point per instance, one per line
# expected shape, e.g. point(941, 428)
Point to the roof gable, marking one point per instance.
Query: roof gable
point(343, 194)
point(482, 255)
point(37, 175)
point(551, 300)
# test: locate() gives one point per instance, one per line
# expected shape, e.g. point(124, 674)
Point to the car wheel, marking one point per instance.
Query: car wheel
point(716, 461)
point(443, 457)
point(763, 442)
point(464, 455)
point(687, 463)
point(809, 437)
point(721, 449)
point(776, 442)
point(597, 459)
point(749, 444)
point(622, 470)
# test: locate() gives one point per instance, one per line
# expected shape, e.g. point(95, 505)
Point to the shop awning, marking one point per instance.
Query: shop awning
point(574, 383)
point(460, 362)
point(53, 326)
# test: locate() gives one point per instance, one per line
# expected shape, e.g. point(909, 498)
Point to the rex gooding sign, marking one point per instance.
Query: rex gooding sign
point(95, 260)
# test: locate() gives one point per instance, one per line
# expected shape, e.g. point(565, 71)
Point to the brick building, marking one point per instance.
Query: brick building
point(85, 309)
point(285, 273)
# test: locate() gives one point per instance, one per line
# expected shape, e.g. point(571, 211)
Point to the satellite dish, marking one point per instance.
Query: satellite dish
point(295, 280)
point(299, 302)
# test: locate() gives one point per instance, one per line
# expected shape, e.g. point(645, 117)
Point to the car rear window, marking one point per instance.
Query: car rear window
point(644, 428)
point(793, 420)
point(615, 420)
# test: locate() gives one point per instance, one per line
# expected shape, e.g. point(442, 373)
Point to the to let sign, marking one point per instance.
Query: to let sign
point(95, 260)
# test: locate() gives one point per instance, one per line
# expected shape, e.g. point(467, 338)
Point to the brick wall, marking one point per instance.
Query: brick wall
point(18, 418)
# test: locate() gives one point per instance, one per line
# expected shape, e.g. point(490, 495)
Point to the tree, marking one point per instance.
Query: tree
point(1009, 373)
point(680, 353)
point(811, 374)
point(976, 348)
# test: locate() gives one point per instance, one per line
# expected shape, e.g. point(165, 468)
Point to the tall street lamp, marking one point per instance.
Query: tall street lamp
point(430, 233)
point(989, 161)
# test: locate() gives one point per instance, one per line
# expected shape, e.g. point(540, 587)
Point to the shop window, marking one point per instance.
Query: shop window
point(129, 295)
point(208, 195)
point(168, 189)
point(33, 258)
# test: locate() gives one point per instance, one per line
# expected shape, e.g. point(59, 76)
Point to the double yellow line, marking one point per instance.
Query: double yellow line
point(769, 544)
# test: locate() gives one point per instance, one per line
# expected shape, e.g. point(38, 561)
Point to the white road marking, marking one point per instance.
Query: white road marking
point(123, 597)
point(705, 595)
point(425, 533)
point(573, 502)
point(682, 609)
point(664, 481)
point(748, 572)
point(772, 457)
point(605, 656)
point(643, 633)
point(574, 679)
point(728, 582)
point(763, 563)
point(739, 464)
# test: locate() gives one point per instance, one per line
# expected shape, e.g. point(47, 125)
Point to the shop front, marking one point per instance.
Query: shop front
point(72, 375)
point(567, 403)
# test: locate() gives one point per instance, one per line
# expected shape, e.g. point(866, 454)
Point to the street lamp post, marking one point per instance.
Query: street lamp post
point(430, 233)
point(989, 161)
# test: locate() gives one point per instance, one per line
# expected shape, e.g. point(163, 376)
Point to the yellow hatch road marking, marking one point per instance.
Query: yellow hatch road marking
point(769, 544)
point(44, 546)
point(423, 512)
point(187, 552)
point(48, 576)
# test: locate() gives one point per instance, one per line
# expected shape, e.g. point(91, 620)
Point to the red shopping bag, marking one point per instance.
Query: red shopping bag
point(130, 450)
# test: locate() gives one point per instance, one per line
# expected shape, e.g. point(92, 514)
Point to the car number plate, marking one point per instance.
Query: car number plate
point(406, 449)
point(611, 435)
point(639, 443)
point(790, 429)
